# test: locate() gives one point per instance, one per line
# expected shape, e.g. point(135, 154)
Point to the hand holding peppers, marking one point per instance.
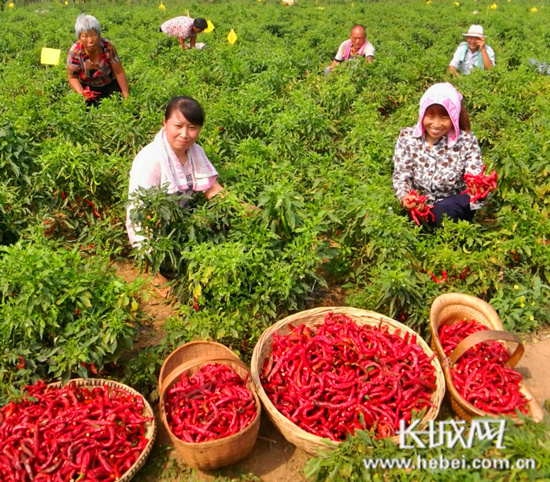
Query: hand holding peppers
point(480, 185)
point(90, 94)
point(416, 205)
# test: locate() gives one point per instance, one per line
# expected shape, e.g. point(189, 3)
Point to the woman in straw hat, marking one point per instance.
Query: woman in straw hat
point(472, 53)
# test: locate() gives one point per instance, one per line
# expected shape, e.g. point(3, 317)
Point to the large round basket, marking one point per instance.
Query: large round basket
point(453, 307)
point(215, 453)
point(314, 317)
point(150, 426)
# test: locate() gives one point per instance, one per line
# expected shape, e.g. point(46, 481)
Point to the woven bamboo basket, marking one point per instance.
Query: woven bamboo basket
point(313, 444)
point(190, 352)
point(215, 453)
point(452, 307)
point(150, 427)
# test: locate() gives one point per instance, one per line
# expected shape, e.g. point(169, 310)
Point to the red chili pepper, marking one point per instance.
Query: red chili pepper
point(421, 209)
point(21, 363)
point(439, 280)
point(479, 186)
point(211, 404)
point(482, 375)
point(90, 94)
point(69, 432)
point(322, 378)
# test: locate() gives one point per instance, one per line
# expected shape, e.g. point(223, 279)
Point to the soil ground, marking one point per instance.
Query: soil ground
point(273, 458)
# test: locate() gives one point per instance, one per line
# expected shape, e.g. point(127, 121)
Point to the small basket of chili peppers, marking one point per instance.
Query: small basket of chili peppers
point(468, 337)
point(92, 429)
point(208, 405)
point(327, 372)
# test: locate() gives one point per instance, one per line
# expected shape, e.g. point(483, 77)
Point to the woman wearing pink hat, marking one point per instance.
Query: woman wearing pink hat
point(432, 157)
point(472, 53)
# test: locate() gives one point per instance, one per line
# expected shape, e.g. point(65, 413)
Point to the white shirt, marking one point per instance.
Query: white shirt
point(369, 50)
point(471, 59)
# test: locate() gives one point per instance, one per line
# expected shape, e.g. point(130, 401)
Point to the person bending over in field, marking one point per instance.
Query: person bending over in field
point(472, 53)
point(93, 67)
point(185, 28)
point(432, 157)
point(356, 46)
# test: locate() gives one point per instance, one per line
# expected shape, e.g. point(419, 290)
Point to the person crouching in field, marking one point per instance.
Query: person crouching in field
point(472, 53)
point(356, 46)
point(185, 28)
point(432, 157)
point(93, 67)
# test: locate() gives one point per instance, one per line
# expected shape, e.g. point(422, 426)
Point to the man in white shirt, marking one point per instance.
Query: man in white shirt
point(472, 53)
point(356, 46)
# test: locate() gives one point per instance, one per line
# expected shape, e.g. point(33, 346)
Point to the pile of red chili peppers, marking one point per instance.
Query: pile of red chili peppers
point(481, 375)
point(479, 185)
point(211, 404)
point(71, 433)
point(340, 377)
point(421, 209)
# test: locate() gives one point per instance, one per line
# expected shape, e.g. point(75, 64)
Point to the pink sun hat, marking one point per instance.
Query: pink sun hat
point(446, 95)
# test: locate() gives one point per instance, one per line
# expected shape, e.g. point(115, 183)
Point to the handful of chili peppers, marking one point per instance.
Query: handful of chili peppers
point(339, 377)
point(71, 433)
point(90, 94)
point(421, 209)
point(211, 404)
point(480, 185)
point(481, 375)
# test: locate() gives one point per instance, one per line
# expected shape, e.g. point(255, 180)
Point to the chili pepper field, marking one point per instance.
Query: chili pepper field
point(312, 152)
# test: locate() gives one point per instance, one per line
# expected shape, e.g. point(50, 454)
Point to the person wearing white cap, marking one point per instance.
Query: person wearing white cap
point(472, 53)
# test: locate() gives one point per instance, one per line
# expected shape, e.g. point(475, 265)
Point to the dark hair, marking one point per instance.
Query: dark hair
point(188, 107)
point(463, 119)
point(200, 22)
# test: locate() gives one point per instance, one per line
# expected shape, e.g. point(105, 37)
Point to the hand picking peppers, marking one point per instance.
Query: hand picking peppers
point(479, 185)
point(421, 209)
point(71, 433)
point(211, 404)
point(90, 94)
point(339, 377)
point(481, 375)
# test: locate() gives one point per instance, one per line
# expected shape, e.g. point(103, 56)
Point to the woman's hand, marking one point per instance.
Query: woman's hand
point(409, 202)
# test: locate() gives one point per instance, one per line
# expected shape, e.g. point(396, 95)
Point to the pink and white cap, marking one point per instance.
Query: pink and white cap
point(446, 95)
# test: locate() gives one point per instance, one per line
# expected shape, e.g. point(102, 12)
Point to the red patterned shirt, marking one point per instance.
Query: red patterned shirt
point(99, 74)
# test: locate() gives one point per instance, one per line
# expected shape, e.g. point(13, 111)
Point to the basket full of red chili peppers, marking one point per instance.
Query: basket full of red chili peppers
point(327, 372)
point(470, 341)
point(95, 430)
point(208, 405)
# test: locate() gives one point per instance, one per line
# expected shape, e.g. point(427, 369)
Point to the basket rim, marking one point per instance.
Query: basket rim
point(151, 425)
point(373, 319)
point(210, 443)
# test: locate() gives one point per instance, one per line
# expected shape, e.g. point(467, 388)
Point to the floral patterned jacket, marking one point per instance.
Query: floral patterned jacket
point(436, 172)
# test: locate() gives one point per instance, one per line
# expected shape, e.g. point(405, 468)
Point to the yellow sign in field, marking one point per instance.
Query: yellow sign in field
point(209, 27)
point(50, 56)
point(232, 37)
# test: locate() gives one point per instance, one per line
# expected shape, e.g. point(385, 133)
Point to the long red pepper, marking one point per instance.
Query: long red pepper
point(211, 404)
point(70, 433)
point(338, 377)
point(481, 375)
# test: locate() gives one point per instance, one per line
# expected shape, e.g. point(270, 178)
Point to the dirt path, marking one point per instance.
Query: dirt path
point(273, 458)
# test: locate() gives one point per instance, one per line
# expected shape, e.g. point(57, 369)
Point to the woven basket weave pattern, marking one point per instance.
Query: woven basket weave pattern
point(215, 453)
point(292, 432)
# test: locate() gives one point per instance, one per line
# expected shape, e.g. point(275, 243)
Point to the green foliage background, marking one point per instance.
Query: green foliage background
point(314, 151)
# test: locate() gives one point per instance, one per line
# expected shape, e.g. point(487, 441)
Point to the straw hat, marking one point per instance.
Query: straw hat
point(475, 31)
